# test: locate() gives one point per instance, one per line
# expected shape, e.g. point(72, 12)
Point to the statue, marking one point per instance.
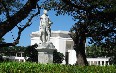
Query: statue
point(45, 27)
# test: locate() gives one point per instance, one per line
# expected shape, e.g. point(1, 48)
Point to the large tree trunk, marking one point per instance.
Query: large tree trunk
point(80, 51)
point(81, 57)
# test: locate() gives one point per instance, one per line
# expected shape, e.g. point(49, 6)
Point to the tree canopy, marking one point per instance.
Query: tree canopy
point(94, 51)
point(12, 13)
point(95, 20)
point(98, 51)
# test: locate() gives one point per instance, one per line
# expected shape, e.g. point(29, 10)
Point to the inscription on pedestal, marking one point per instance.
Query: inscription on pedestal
point(45, 55)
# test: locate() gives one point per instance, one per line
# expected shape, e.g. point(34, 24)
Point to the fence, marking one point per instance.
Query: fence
point(98, 61)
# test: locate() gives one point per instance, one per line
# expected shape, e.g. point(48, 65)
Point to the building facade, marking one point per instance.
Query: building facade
point(62, 42)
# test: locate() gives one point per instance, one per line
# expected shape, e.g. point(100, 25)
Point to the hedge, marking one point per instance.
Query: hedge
point(27, 67)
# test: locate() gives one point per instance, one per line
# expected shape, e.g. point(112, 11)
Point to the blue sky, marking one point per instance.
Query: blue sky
point(62, 22)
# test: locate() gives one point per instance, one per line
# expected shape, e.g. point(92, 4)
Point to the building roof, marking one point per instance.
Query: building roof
point(59, 33)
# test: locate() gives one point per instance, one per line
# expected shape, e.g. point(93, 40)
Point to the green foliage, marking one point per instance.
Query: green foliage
point(11, 5)
point(18, 10)
point(95, 51)
point(27, 67)
point(32, 53)
point(99, 51)
point(95, 18)
point(1, 58)
point(1, 40)
point(57, 57)
point(10, 51)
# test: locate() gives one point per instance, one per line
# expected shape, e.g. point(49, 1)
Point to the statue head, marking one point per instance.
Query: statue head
point(45, 11)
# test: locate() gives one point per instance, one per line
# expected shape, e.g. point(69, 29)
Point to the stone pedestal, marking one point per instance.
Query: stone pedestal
point(45, 53)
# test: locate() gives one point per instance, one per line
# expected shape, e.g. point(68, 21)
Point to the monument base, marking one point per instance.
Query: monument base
point(45, 52)
point(45, 55)
point(47, 45)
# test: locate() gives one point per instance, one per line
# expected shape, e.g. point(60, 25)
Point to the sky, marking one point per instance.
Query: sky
point(61, 22)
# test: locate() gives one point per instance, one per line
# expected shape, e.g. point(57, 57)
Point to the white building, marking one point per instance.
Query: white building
point(61, 40)
point(18, 56)
point(64, 43)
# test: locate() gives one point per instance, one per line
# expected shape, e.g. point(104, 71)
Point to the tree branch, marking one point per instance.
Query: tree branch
point(79, 7)
point(19, 33)
point(10, 23)
point(6, 9)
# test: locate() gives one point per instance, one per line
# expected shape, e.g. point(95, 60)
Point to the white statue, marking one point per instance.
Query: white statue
point(45, 27)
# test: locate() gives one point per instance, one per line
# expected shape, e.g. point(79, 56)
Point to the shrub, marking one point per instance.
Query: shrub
point(57, 57)
point(32, 53)
point(1, 59)
point(27, 67)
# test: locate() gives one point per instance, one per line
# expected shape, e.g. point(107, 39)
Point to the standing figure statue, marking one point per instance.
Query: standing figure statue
point(45, 27)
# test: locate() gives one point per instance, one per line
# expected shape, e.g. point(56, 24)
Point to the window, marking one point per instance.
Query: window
point(68, 46)
point(18, 54)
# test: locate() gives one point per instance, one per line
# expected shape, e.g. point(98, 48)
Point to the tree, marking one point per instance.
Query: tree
point(13, 17)
point(94, 51)
point(32, 53)
point(1, 40)
point(57, 57)
point(1, 59)
point(11, 51)
point(95, 19)
point(99, 51)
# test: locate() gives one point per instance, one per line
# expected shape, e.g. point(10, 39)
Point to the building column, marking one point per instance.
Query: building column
point(100, 63)
point(16, 54)
point(21, 54)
